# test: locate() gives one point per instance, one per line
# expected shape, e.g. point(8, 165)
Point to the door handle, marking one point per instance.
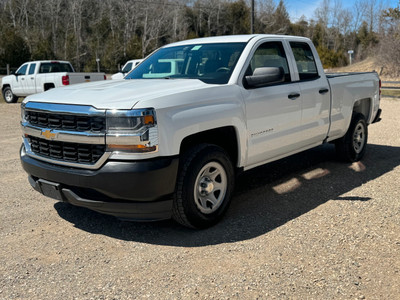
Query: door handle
point(22, 78)
point(293, 96)
point(323, 91)
point(32, 78)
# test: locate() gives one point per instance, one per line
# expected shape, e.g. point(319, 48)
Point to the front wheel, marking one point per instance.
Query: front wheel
point(9, 96)
point(204, 186)
point(352, 146)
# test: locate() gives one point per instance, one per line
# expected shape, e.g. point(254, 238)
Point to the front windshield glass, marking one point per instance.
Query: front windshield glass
point(211, 63)
point(127, 68)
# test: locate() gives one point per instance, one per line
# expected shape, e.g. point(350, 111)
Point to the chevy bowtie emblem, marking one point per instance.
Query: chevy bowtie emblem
point(48, 134)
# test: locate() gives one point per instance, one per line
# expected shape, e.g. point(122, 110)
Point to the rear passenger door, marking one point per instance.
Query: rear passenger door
point(273, 112)
point(315, 94)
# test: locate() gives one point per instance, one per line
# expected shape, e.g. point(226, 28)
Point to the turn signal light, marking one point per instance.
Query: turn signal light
point(132, 148)
point(148, 120)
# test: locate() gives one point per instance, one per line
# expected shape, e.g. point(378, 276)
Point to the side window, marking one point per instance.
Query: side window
point(22, 70)
point(304, 60)
point(32, 69)
point(270, 54)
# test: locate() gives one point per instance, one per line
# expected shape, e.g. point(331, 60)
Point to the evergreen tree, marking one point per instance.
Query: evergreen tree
point(13, 49)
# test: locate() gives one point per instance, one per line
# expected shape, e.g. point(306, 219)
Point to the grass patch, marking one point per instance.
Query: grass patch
point(390, 93)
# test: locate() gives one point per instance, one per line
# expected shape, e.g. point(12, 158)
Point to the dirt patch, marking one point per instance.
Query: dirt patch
point(306, 227)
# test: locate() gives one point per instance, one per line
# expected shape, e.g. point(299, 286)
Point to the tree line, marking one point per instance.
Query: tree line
point(114, 31)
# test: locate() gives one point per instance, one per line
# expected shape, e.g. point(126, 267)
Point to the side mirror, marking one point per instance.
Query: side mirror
point(265, 76)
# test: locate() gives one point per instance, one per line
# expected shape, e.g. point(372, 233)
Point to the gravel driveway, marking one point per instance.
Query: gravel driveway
point(306, 227)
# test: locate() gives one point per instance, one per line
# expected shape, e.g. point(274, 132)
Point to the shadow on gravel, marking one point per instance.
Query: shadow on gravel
point(265, 198)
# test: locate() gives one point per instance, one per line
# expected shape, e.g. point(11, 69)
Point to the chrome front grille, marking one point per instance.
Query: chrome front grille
point(69, 135)
point(66, 122)
point(70, 152)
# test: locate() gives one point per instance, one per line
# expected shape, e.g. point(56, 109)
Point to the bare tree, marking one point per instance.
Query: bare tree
point(155, 26)
point(117, 30)
point(265, 10)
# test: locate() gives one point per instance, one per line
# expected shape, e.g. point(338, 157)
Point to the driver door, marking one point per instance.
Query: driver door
point(19, 80)
point(273, 111)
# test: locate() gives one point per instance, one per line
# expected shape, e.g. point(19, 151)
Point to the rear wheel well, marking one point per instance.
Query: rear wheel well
point(48, 86)
point(224, 137)
point(362, 106)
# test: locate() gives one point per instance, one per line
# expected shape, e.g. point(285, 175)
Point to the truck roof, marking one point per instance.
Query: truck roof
point(48, 61)
point(244, 38)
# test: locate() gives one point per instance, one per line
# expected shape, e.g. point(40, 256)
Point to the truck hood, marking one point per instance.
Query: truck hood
point(117, 94)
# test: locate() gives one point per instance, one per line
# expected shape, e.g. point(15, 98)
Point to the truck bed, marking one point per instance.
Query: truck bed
point(341, 74)
point(347, 90)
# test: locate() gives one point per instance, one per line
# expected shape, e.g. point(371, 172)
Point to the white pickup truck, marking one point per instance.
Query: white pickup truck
point(39, 76)
point(149, 148)
point(129, 66)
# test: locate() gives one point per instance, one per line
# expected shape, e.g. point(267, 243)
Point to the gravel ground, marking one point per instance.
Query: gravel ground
point(306, 227)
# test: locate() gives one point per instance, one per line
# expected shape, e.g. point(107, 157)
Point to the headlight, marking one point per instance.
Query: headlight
point(23, 118)
point(133, 131)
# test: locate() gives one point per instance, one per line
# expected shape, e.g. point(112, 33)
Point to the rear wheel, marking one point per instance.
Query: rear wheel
point(352, 146)
point(9, 96)
point(204, 186)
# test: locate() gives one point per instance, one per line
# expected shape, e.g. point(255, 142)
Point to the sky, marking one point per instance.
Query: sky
point(297, 8)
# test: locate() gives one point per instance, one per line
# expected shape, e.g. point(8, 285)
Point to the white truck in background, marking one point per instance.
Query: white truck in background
point(153, 147)
point(129, 66)
point(39, 76)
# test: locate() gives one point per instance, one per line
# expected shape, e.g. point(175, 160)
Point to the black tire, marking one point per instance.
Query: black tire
point(353, 145)
point(9, 96)
point(204, 186)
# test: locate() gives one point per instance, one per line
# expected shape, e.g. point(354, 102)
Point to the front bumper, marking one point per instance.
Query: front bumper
point(137, 190)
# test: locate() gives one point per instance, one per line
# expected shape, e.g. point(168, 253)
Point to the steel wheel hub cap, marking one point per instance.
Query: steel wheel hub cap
point(206, 186)
point(210, 187)
point(8, 96)
point(359, 138)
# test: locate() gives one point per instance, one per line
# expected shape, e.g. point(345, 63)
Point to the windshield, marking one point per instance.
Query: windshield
point(127, 68)
point(211, 63)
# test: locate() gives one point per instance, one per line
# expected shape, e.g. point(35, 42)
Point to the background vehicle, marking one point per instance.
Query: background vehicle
point(129, 66)
point(162, 146)
point(164, 68)
point(39, 76)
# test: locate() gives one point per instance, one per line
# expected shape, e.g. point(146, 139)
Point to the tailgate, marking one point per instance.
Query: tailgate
point(85, 77)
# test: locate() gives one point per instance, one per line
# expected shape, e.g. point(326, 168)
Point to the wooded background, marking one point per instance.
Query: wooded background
point(117, 30)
